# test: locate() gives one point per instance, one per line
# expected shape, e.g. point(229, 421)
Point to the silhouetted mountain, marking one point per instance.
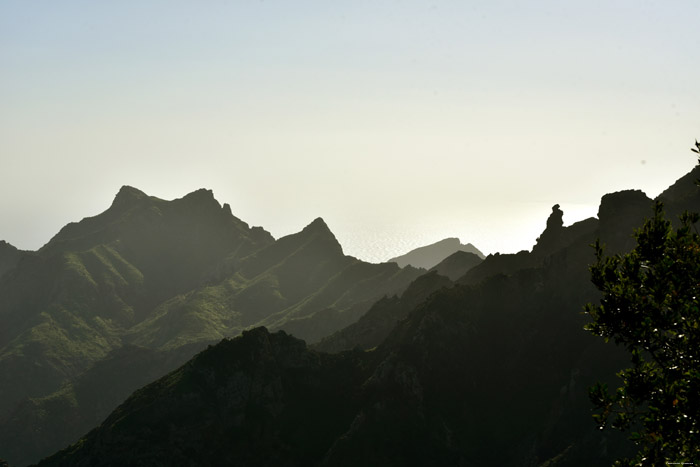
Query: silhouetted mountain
point(9, 257)
point(551, 238)
point(373, 327)
point(168, 277)
point(618, 211)
point(301, 283)
point(259, 399)
point(66, 306)
point(491, 371)
point(682, 195)
point(457, 264)
point(428, 256)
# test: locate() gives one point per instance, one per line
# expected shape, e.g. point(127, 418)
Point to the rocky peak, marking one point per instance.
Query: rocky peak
point(619, 214)
point(318, 230)
point(127, 196)
point(199, 201)
point(623, 204)
point(556, 219)
point(549, 241)
point(317, 225)
point(201, 195)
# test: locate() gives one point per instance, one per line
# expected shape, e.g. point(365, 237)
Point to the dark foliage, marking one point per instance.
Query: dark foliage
point(650, 305)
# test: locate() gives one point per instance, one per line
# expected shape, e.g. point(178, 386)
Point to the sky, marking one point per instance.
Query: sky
point(398, 122)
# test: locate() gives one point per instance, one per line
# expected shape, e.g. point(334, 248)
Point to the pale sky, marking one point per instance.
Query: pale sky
point(398, 122)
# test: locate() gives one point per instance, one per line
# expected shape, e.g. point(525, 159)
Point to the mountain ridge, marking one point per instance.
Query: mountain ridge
point(167, 276)
point(497, 359)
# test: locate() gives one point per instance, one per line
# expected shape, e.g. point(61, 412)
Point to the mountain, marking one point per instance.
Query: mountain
point(38, 424)
point(163, 279)
point(492, 370)
point(428, 256)
point(682, 195)
point(457, 264)
point(375, 325)
point(301, 283)
point(9, 257)
point(66, 306)
point(259, 399)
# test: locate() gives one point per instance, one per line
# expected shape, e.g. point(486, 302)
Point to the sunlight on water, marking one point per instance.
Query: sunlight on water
point(514, 229)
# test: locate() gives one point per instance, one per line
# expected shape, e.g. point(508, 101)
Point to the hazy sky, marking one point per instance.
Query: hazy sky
point(398, 122)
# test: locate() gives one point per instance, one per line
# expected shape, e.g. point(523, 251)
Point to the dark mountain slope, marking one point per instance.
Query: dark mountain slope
point(375, 325)
point(302, 283)
point(682, 195)
point(260, 399)
point(492, 374)
point(495, 371)
point(475, 376)
point(345, 298)
point(266, 282)
point(38, 425)
point(9, 257)
point(371, 328)
point(457, 264)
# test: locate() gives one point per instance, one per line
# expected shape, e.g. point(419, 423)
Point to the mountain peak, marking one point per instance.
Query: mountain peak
point(202, 193)
point(201, 200)
point(430, 255)
point(127, 190)
point(318, 229)
point(549, 241)
point(619, 213)
point(317, 225)
point(613, 205)
point(555, 219)
point(127, 195)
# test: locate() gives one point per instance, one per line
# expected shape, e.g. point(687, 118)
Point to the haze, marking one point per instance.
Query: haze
point(399, 123)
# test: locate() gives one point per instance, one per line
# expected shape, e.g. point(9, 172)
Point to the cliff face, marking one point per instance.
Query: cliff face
point(617, 212)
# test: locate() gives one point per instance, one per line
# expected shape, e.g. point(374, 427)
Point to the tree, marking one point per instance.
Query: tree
point(650, 304)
